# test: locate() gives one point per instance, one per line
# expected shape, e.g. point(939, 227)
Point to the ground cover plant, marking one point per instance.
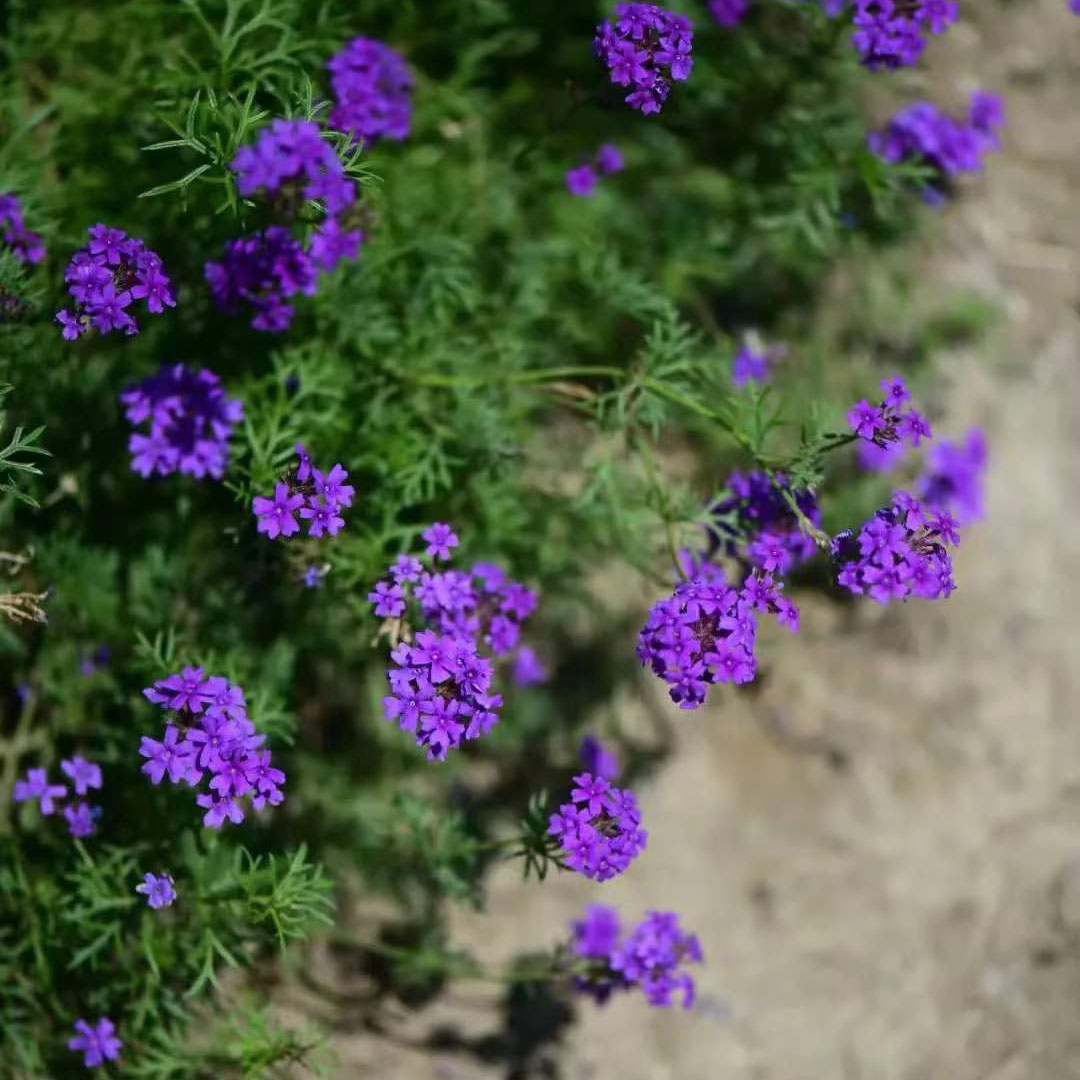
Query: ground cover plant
point(339, 343)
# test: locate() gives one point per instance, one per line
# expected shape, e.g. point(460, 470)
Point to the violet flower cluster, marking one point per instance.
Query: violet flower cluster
point(652, 957)
point(953, 479)
point(756, 522)
point(26, 246)
point(753, 362)
point(599, 829)
point(209, 734)
point(893, 420)
point(705, 632)
point(646, 48)
point(159, 890)
point(950, 146)
point(190, 419)
point(84, 776)
point(98, 1042)
point(441, 682)
point(900, 552)
point(291, 163)
point(893, 33)
point(372, 91)
point(106, 278)
point(729, 12)
point(314, 496)
point(582, 180)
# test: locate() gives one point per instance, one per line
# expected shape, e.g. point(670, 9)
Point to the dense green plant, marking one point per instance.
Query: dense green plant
point(501, 356)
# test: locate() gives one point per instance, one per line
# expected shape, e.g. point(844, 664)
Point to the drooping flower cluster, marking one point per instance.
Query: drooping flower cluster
point(756, 522)
point(159, 890)
point(26, 246)
point(953, 479)
point(893, 33)
point(888, 422)
point(652, 956)
point(190, 418)
point(950, 146)
point(291, 163)
point(372, 91)
point(705, 632)
point(209, 734)
point(900, 552)
point(753, 362)
point(316, 497)
point(98, 1042)
point(441, 682)
point(729, 12)
point(582, 180)
point(646, 48)
point(599, 829)
point(84, 775)
point(106, 278)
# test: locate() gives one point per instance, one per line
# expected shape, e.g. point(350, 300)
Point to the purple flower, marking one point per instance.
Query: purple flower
point(754, 364)
point(581, 181)
point(372, 91)
point(191, 420)
point(82, 773)
point(528, 669)
point(645, 49)
point(953, 479)
point(599, 830)
point(80, 819)
point(728, 12)
point(173, 756)
point(597, 934)
point(98, 1042)
point(322, 518)
point(37, 786)
point(887, 424)
point(897, 553)
point(596, 758)
point(609, 159)
point(159, 890)
point(440, 539)
point(866, 420)
point(389, 600)
point(106, 278)
point(314, 577)
point(876, 458)
point(275, 516)
point(331, 486)
point(951, 147)
point(25, 245)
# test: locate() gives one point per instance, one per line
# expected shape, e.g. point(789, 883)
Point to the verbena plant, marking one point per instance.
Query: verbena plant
point(324, 389)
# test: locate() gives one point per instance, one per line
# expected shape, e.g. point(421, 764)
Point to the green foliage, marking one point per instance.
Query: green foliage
point(528, 366)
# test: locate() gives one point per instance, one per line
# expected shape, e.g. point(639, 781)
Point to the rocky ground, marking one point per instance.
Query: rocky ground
point(881, 849)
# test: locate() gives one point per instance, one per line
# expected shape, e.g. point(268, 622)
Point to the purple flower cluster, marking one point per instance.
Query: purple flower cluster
point(646, 48)
point(190, 418)
point(754, 363)
point(582, 181)
point(106, 277)
point(372, 91)
point(652, 956)
point(705, 632)
point(888, 422)
point(316, 497)
point(83, 774)
point(293, 163)
point(899, 552)
point(159, 890)
point(892, 33)
point(97, 1042)
point(209, 732)
point(27, 246)
point(440, 686)
point(756, 523)
point(951, 146)
point(953, 479)
point(729, 12)
point(599, 829)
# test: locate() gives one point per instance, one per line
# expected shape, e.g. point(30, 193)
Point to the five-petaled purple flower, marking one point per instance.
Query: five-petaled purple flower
point(37, 786)
point(159, 890)
point(98, 1042)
